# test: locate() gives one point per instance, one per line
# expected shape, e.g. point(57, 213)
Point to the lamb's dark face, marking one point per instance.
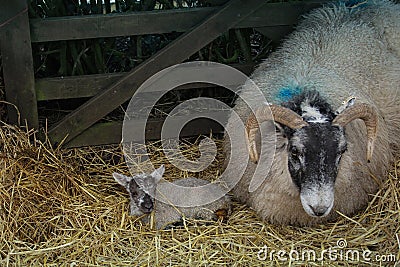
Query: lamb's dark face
point(314, 154)
point(140, 190)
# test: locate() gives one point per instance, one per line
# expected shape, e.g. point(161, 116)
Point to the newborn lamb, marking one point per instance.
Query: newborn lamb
point(142, 187)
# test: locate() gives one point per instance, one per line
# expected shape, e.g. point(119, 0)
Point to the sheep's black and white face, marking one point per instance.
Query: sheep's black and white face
point(314, 154)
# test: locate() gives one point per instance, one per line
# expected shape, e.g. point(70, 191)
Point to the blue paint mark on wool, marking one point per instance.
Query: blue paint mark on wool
point(287, 93)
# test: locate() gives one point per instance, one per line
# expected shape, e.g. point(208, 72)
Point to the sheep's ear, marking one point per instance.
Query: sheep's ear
point(158, 173)
point(122, 179)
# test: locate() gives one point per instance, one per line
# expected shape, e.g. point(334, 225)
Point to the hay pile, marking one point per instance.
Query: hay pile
point(61, 207)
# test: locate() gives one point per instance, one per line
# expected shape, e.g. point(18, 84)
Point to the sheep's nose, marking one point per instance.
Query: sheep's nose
point(317, 200)
point(319, 210)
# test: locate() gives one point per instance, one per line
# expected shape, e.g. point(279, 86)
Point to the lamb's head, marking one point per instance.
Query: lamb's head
point(316, 142)
point(141, 189)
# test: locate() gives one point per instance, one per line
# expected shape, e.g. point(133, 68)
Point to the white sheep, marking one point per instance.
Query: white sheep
point(325, 160)
point(142, 187)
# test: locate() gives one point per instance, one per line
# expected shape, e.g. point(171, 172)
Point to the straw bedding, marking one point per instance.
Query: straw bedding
point(61, 207)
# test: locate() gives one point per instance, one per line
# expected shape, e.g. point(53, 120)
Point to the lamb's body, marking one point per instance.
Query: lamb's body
point(142, 189)
point(339, 52)
point(165, 214)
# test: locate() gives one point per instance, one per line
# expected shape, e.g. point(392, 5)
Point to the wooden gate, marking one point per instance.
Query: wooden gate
point(108, 91)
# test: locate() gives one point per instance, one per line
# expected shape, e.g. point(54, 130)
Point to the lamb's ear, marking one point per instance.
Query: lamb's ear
point(158, 173)
point(122, 179)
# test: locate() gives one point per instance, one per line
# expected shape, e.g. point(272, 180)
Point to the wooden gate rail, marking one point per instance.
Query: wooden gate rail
point(157, 22)
point(90, 85)
point(111, 132)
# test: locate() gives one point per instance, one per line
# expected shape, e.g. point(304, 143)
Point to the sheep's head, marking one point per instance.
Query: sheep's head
point(314, 153)
point(141, 189)
point(315, 146)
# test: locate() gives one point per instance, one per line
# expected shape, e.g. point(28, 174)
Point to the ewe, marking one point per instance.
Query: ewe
point(341, 64)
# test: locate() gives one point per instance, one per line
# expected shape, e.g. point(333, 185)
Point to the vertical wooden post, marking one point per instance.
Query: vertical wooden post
point(16, 50)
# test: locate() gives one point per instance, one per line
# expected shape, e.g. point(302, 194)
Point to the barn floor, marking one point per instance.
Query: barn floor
point(61, 207)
